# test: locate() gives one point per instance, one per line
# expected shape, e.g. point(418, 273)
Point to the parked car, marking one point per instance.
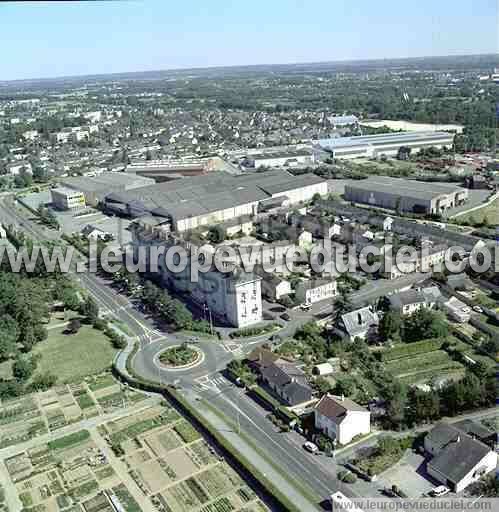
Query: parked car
point(478, 309)
point(311, 447)
point(441, 490)
point(285, 317)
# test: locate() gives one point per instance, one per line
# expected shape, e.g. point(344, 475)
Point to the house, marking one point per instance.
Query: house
point(275, 287)
point(341, 419)
point(409, 301)
point(457, 310)
point(457, 459)
point(477, 431)
point(93, 233)
point(260, 358)
point(304, 239)
point(359, 323)
point(387, 224)
point(287, 381)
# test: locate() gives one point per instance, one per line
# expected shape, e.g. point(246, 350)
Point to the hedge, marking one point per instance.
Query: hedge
point(177, 399)
point(412, 349)
point(265, 397)
point(254, 331)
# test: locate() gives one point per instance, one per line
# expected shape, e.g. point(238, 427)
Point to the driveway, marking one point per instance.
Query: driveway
point(409, 475)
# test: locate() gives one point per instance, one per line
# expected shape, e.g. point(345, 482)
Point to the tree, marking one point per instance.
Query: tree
point(390, 325)
point(216, 234)
point(424, 324)
point(23, 368)
point(74, 326)
point(404, 153)
point(90, 310)
point(43, 382)
point(70, 299)
point(396, 399)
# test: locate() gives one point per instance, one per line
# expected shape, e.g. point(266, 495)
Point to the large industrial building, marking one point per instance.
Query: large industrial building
point(407, 195)
point(189, 203)
point(95, 188)
point(371, 146)
point(283, 158)
point(165, 170)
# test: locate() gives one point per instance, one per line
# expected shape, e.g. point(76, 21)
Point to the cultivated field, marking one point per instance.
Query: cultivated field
point(174, 466)
point(70, 473)
point(26, 417)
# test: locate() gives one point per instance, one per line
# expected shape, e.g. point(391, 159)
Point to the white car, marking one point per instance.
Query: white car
point(478, 309)
point(441, 490)
point(310, 447)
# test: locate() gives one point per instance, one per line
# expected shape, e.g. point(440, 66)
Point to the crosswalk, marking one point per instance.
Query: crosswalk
point(215, 382)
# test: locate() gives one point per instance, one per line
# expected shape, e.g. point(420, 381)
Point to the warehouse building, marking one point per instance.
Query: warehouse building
point(96, 188)
point(190, 203)
point(285, 158)
point(371, 146)
point(407, 195)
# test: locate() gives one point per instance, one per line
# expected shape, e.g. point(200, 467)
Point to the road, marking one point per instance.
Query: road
point(291, 461)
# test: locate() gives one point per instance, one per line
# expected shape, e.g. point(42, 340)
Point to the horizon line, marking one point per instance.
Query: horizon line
point(233, 66)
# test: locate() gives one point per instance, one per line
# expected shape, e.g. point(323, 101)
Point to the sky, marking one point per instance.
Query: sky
point(51, 39)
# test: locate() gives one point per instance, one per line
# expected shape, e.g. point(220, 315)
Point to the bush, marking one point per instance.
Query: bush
point(347, 476)
point(100, 324)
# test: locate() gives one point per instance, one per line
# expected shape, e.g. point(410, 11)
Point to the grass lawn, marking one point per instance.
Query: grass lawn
point(73, 356)
point(491, 211)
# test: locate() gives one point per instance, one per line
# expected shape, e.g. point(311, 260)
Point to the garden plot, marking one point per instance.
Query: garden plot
point(174, 466)
point(150, 476)
point(163, 441)
point(68, 473)
point(423, 367)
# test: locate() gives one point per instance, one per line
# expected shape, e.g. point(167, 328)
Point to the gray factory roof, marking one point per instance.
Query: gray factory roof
point(402, 187)
point(385, 139)
point(106, 181)
point(189, 197)
point(291, 153)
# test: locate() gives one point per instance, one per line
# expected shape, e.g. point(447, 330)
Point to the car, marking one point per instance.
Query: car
point(311, 447)
point(285, 317)
point(194, 339)
point(478, 309)
point(306, 307)
point(441, 490)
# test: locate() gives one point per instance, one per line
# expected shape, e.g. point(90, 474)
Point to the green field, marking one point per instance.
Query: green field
point(491, 212)
point(72, 357)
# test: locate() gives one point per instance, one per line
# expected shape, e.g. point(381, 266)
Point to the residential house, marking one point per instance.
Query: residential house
point(311, 291)
point(287, 381)
point(275, 287)
point(457, 459)
point(93, 233)
point(409, 301)
point(341, 419)
point(260, 358)
point(457, 310)
point(359, 323)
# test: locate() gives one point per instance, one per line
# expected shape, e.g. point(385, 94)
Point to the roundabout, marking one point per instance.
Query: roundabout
point(179, 357)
